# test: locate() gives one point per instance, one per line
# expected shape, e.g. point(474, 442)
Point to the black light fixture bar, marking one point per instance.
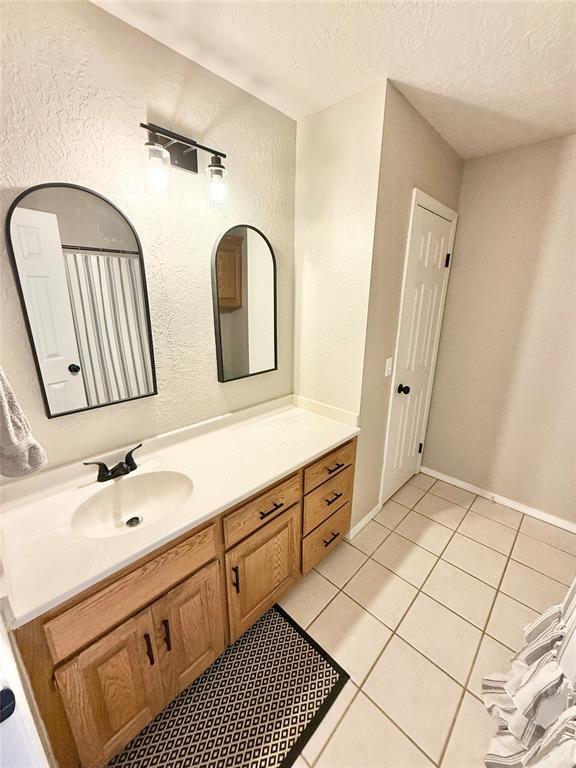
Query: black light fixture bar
point(178, 138)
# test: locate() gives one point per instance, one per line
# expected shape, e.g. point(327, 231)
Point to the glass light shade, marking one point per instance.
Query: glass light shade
point(217, 187)
point(157, 167)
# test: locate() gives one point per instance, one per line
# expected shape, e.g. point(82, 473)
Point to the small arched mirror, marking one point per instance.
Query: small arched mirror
point(79, 270)
point(244, 296)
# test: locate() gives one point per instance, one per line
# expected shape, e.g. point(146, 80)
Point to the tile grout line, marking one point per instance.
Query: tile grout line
point(466, 510)
point(483, 630)
point(541, 573)
point(459, 704)
point(395, 634)
point(483, 633)
point(438, 557)
point(516, 533)
point(404, 614)
point(523, 517)
point(392, 635)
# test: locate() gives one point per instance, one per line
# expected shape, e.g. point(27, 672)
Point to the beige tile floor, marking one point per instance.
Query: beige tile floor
point(428, 598)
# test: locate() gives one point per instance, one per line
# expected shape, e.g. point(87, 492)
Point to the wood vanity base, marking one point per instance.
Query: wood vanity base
point(103, 664)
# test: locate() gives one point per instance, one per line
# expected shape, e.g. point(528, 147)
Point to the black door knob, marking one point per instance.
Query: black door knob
point(403, 389)
point(74, 368)
point(7, 703)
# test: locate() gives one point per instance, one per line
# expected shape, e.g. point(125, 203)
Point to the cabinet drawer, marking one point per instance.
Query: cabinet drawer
point(328, 466)
point(325, 538)
point(103, 610)
point(325, 500)
point(256, 513)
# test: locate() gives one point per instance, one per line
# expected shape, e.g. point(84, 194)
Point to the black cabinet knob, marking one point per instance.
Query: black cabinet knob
point(7, 703)
point(74, 368)
point(403, 389)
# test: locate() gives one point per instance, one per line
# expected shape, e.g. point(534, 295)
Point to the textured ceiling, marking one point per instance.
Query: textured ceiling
point(487, 75)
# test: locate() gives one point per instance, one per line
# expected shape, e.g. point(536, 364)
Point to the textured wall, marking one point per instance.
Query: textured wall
point(487, 75)
point(76, 84)
point(502, 413)
point(336, 188)
point(413, 155)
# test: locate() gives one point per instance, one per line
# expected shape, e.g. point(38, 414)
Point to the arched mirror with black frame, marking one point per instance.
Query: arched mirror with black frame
point(244, 299)
point(79, 270)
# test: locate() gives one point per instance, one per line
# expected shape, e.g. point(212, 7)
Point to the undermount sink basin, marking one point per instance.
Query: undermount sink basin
point(130, 503)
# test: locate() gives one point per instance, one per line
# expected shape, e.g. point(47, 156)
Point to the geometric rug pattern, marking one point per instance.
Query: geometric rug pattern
point(255, 707)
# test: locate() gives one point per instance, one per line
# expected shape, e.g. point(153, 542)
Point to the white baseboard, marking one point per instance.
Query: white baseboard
point(364, 522)
point(339, 414)
point(524, 508)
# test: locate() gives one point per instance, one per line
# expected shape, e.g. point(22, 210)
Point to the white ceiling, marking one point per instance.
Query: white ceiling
point(487, 75)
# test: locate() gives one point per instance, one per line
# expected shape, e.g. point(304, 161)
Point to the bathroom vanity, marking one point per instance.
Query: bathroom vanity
point(105, 661)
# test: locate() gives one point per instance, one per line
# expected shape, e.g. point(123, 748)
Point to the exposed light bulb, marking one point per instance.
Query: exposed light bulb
point(157, 167)
point(217, 190)
point(217, 186)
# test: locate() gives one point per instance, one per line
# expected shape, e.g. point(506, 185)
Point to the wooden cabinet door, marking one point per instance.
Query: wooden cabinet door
point(262, 568)
point(229, 273)
point(112, 690)
point(189, 625)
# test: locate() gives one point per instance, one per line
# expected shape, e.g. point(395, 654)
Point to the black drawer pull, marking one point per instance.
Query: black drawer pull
point(236, 582)
point(337, 495)
point(329, 541)
point(275, 507)
point(149, 651)
point(167, 638)
point(335, 468)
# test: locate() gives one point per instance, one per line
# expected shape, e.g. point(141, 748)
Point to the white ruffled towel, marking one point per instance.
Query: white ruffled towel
point(20, 454)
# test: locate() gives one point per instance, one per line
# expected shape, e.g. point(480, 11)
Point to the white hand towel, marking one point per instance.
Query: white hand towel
point(20, 454)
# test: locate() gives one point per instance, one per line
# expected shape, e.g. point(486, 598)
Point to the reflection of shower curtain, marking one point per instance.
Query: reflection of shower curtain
point(110, 320)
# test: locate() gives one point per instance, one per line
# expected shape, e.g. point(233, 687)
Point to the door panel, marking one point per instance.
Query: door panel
point(189, 625)
point(38, 254)
point(262, 568)
point(422, 306)
point(112, 690)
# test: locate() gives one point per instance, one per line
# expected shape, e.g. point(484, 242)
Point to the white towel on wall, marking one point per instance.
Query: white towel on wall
point(20, 454)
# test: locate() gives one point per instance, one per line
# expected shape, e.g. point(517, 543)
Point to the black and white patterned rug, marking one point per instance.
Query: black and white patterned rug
point(256, 706)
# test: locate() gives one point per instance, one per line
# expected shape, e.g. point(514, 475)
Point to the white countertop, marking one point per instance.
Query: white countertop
point(45, 562)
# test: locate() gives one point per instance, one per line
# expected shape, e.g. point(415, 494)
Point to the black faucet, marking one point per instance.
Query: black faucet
point(122, 468)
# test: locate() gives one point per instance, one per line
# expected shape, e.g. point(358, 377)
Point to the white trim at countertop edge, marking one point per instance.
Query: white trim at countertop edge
point(323, 409)
point(546, 517)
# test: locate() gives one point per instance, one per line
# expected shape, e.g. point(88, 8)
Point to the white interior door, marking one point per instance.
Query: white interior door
point(38, 254)
point(426, 270)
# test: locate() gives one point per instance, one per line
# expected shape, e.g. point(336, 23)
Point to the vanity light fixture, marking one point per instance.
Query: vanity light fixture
point(165, 148)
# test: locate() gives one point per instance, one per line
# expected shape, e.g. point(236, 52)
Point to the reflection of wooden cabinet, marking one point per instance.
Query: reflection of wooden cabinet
point(229, 273)
point(262, 568)
point(118, 684)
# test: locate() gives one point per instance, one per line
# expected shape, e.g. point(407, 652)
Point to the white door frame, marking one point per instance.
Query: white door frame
point(422, 200)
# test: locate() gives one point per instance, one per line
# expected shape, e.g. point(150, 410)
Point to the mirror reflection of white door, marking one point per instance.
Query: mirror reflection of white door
point(260, 289)
point(425, 281)
point(38, 253)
